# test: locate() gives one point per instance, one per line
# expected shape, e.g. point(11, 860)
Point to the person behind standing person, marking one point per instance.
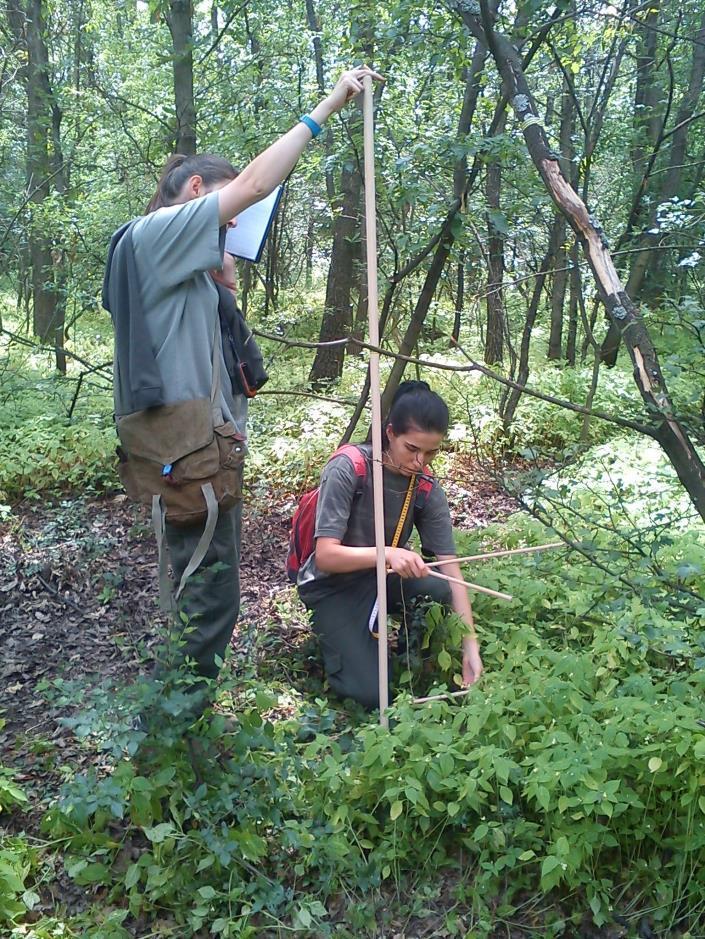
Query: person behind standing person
point(161, 296)
point(338, 582)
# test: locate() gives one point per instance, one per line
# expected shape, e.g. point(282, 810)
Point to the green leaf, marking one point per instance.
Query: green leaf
point(506, 795)
point(444, 660)
point(396, 809)
point(655, 764)
point(549, 864)
point(160, 832)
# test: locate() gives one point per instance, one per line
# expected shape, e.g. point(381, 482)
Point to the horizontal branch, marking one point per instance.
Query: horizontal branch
point(473, 366)
point(39, 347)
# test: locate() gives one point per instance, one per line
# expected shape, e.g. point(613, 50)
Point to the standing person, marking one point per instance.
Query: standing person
point(164, 304)
point(338, 582)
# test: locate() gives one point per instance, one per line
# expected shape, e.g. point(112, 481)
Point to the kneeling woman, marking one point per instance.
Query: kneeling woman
point(338, 582)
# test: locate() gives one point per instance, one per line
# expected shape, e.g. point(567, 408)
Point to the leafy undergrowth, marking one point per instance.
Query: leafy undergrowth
point(565, 796)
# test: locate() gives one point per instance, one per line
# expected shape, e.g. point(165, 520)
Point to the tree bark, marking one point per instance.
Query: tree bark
point(555, 337)
point(337, 311)
point(574, 304)
point(619, 307)
point(459, 297)
point(179, 18)
point(560, 256)
point(495, 322)
point(28, 25)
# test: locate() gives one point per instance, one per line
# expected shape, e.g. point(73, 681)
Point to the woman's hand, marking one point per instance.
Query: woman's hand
point(349, 85)
point(405, 563)
point(472, 663)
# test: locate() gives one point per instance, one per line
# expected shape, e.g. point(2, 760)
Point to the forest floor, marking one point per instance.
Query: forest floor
point(78, 599)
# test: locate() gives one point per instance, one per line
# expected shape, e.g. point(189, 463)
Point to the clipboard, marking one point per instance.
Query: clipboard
point(247, 239)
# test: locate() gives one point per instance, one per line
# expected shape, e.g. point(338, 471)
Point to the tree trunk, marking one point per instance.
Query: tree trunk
point(494, 332)
point(337, 311)
point(574, 304)
point(459, 297)
point(618, 305)
point(560, 257)
point(179, 18)
point(555, 338)
point(43, 125)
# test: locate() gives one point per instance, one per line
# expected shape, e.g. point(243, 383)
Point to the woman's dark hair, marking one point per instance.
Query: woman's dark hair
point(179, 168)
point(415, 407)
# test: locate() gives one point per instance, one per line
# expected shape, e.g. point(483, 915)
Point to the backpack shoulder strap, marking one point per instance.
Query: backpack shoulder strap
point(424, 488)
point(356, 457)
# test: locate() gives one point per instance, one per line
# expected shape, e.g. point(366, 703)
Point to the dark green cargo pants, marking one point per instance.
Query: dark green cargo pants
point(210, 600)
point(340, 617)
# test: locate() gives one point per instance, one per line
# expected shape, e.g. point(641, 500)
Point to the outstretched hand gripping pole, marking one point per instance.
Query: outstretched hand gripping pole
point(375, 394)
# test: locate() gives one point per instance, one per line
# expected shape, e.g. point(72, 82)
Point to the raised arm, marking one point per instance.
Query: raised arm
point(275, 163)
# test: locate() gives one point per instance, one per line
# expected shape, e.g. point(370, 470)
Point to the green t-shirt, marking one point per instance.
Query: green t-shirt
point(175, 247)
point(346, 512)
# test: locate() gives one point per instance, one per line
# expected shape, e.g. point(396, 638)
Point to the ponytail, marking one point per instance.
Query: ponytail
point(416, 407)
point(179, 168)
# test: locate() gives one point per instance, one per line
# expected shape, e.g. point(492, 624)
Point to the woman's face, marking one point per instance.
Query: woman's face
point(409, 452)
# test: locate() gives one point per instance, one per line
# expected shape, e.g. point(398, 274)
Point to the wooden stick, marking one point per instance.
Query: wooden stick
point(496, 554)
point(469, 586)
point(375, 396)
point(440, 697)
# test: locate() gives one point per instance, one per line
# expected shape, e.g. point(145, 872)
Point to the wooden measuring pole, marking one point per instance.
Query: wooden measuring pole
point(375, 394)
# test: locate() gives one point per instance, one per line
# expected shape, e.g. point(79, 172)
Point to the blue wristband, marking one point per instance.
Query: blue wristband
point(312, 125)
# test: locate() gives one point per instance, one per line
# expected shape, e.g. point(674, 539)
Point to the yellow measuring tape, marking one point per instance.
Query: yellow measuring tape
point(397, 534)
point(404, 512)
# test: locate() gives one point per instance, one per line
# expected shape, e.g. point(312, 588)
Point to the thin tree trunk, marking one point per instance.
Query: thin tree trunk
point(494, 332)
point(337, 311)
point(555, 338)
point(179, 18)
point(43, 125)
point(560, 266)
point(459, 297)
point(574, 303)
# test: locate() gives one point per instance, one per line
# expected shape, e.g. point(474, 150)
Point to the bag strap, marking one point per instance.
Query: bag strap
point(168, 598)
point(205, 539)
point(215, 375)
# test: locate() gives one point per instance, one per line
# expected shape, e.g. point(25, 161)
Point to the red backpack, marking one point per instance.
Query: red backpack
point(303, 524)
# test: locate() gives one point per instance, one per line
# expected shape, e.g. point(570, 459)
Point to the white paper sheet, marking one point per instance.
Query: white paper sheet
point(247, 239)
